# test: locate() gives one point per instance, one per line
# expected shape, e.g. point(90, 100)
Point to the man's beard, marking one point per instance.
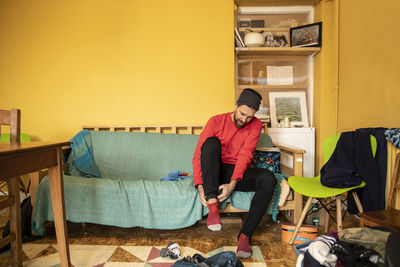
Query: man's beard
point(238, 123)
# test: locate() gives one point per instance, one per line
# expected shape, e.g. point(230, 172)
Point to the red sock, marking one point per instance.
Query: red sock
point(244, 249)
point(213, 219)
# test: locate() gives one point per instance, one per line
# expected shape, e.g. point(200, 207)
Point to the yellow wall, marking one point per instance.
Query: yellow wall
point(368, 80)
point(125, 62)
point(326, 77)
point(369, 61)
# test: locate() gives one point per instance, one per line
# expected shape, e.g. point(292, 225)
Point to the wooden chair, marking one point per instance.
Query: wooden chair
point(390, 217)
point(13, 119)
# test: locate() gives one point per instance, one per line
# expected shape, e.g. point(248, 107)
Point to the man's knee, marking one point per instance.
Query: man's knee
point(266, 180)
point(212, 144)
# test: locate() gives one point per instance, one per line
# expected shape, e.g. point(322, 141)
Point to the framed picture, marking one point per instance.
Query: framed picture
point(276, 39)
point(306, 35)
point(288, 104)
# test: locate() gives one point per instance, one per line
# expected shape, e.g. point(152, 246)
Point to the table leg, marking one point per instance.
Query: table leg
point(15, 222)
point(57, 201)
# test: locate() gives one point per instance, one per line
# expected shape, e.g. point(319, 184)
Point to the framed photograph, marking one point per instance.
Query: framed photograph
point(288, 104)
point(276, 39)
point(306, 35)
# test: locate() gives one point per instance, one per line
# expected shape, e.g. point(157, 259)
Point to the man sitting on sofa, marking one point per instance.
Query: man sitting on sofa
point(221, 164)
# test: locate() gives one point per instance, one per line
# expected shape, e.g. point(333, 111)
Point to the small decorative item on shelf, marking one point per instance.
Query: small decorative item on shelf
point(259, 23)
point(254, 39)
point(261, 79)
point(306, 35)
point(288, 104)
point(244, 23)
point(238, 39)
point(286, 122)
point(276, 39)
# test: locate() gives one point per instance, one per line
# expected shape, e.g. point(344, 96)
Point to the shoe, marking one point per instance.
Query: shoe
point(171, 251)
point(244, 250)
point(213, 218)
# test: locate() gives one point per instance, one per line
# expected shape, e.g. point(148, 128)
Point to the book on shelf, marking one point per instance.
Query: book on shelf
point(237, 35)
point(237, 42)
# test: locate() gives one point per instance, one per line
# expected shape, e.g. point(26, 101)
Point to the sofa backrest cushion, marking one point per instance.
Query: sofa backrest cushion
point(148, 156)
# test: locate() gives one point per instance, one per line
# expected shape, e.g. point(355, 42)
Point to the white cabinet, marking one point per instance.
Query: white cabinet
point(303, 138)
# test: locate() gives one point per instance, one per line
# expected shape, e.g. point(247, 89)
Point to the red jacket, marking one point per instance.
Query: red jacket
point(238, 145)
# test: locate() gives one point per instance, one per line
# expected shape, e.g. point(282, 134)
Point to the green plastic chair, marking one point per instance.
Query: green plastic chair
point(23, 137)
point(5, 137)
point(313, 188)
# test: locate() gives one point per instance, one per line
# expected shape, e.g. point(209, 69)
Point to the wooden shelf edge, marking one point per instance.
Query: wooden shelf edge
point(291, 51)
point(265, 29)
point(301, 87)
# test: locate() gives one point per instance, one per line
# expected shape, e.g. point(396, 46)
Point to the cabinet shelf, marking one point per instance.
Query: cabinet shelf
point(276, 29)
point(300, 87)
point(277, 51)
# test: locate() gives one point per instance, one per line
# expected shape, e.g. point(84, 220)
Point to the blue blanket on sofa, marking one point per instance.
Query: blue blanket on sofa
point(130, 192)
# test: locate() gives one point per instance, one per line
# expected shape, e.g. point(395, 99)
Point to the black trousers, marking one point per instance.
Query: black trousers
point(258, 180)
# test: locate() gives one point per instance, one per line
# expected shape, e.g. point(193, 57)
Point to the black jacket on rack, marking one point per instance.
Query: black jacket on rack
point(351, 162)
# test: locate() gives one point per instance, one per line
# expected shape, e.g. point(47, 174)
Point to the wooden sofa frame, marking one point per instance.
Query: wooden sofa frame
point(294, 203)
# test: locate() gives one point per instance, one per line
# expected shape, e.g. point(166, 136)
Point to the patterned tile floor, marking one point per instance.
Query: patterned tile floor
point(40, 255)
point(99, 245)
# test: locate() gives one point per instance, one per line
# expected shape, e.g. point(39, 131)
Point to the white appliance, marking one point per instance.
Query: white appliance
point(303, 138)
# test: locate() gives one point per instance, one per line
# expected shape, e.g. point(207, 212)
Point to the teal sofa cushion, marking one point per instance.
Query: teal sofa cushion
point(148, 156)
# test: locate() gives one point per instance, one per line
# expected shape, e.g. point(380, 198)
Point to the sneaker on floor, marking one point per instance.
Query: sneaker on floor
point(244, 250)
point(171, 251)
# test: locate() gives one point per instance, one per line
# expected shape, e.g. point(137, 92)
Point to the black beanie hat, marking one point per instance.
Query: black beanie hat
point(249, 97)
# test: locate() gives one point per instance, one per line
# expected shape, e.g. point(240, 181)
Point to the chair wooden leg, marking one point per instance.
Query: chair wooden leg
point(15, 222)
point(339, 214)
point(358, 202)
point(22, 186)
point(300, 222)
point(326, 226)
point(298, 203)
point(362, 223)
point(34, 176)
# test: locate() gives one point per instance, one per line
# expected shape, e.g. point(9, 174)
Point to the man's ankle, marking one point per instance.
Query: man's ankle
point(213, 218)
point(244, 250)
point(212, 201)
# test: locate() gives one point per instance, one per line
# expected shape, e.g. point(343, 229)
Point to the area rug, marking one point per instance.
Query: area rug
point(41, 255)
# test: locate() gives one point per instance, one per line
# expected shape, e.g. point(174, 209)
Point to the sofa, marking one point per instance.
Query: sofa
point(130, 192)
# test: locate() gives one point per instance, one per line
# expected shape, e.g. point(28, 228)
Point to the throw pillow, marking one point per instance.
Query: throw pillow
point(267, 158)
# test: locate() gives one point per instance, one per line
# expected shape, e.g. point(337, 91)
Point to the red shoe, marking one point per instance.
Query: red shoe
point(244, 250)
point(213, 219)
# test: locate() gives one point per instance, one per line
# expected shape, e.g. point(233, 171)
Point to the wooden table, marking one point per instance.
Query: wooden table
point(24, 158)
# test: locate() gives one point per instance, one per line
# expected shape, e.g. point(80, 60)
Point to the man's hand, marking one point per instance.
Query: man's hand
point(227, 189)
point(202, 195)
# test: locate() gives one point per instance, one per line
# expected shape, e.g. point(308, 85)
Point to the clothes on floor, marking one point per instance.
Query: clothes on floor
point(346, 251)
point(238, 145)
point(354, 255)
point(215, 173)
point(351, 162)
point(319, 252)
point(222, 259)
point(370, 238)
